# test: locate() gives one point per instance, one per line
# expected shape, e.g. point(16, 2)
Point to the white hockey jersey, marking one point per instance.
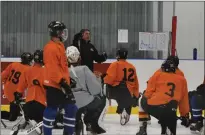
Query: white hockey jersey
point(87, 85)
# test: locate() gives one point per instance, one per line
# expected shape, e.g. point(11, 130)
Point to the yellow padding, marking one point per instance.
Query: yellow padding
point(5, 108)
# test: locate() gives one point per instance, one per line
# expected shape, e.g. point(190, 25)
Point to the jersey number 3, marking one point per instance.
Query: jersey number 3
point(15, 75)
point(130, 77)
point(171, 93)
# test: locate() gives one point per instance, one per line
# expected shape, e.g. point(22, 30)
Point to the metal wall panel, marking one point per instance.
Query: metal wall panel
point(24, 24)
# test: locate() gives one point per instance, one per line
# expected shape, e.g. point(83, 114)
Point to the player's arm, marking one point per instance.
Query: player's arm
point(111, 74)
point(5, 73)
point(184, 102)
point(150, 86)
point(136, 90)
point(94, 87)
point(97, 57)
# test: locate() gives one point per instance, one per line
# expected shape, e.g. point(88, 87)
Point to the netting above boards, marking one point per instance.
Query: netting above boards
point(154, 41)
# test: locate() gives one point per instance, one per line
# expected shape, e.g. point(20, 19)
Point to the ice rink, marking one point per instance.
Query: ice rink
point(113, 127)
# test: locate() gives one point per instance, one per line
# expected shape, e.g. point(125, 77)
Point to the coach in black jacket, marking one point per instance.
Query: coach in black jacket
point(87, 50)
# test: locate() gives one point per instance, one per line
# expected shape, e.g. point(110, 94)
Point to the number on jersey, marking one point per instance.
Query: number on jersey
point(130, 72)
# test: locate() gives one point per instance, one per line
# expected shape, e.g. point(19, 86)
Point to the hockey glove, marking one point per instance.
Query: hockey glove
point(72, 83)
point(135, 101)
point(185, 120)
point(67, 90)
point(17, 97)
point(105, 55)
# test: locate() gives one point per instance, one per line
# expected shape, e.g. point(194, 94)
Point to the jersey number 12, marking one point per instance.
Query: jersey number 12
point(130, 77)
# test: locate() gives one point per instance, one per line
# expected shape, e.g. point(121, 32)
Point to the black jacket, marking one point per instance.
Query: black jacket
point(88, 53)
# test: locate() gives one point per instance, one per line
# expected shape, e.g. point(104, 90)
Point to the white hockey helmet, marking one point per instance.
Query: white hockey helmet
point(72, 54)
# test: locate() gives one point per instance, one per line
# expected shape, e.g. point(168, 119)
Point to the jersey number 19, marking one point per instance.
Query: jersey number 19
point(14, 77)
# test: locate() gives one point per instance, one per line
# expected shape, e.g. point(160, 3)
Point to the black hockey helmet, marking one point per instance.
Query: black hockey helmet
point(168, 66)
point(122, 53)
point(26, 58)
point(38, 56)
point(175, 59)
point(58, 29)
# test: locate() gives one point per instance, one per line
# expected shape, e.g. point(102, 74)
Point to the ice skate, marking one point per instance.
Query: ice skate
point(196, 127)
point(124, 117)
point(143, 129)
point(90, 130)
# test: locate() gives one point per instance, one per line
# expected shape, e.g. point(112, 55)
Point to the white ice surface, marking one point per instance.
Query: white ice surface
point(113, 127)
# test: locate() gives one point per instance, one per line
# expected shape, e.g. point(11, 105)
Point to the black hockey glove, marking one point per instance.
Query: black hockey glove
point(72, 83)
point(105, 55)
point(185, 120)
point(135, 101)
point(17, 97)
point(67, 90)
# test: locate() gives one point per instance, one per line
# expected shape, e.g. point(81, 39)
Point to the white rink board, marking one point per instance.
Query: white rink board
point(113, 127)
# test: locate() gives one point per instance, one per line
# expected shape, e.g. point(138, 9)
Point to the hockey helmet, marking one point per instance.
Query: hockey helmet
point(122, 53)
point(168, 66)
point(72, 54)
point(26, 58)
point(38, 56)
point(59, 30)
point(175, 59)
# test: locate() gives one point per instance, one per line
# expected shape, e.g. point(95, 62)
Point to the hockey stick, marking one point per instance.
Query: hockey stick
point(3, 124)
point(27, 132)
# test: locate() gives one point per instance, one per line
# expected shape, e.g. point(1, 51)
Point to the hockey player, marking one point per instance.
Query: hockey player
point(122, 84)
point(175, 59)
point(88, 93)
point(197, 99)
point(32, 80)
point(57, 81)
point(165, 92)
point(10, 78)
point(178, 71)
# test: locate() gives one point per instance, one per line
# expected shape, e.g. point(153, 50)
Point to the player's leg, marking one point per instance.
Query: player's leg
point(166, 114)
point(34, 113)
point(69, 118)
point(54, 98)
point(143, 116)
point(34, 110)
point(197, 106)
point(48, 119)
point(79, 123)
point(14, 111)
point(93, 112)
point(125, 103)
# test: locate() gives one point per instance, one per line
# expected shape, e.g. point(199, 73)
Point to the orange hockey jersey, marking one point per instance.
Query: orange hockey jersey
point(178, 72)
point(123, 71)
point(164, 87)
point(32, 79)
point(56, 65)
point(10, 78)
